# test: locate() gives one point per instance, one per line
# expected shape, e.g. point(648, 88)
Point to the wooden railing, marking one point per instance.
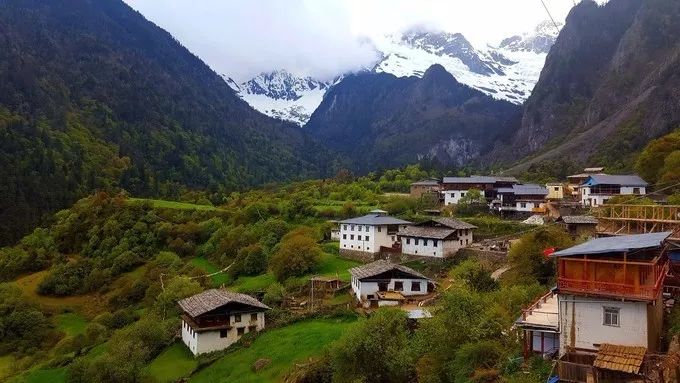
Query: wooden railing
point(535, 307)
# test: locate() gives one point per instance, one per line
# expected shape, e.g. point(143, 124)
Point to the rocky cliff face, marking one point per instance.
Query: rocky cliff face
point(380, 120)
point(609, 85)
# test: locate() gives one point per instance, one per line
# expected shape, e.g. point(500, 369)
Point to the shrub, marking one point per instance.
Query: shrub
point(479, 359)
point(296, 255)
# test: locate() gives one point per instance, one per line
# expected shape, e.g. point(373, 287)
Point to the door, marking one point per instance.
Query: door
point(382, 286)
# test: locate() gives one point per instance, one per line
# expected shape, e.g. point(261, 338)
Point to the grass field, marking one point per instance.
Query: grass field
point(90, 304)
point(283, 346)
point(53, 375)
point(490, 227)
point(255, 283)
point(332, 265)
point(70, 323)
point(6, 363)
point(209, 268)
point(172, 364)
point(164, 204)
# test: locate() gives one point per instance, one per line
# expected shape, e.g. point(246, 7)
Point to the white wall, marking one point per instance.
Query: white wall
point(451, 197)
point(444, 248)
point(588, 199)
point(353, 237)
point(587, 324)
point(525, 206)
point(362, 289)
point(207, 341)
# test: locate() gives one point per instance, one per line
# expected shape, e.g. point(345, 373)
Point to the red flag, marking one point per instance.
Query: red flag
point(548, 252)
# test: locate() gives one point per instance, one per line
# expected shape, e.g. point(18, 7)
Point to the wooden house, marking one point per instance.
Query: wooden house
point(439, 237)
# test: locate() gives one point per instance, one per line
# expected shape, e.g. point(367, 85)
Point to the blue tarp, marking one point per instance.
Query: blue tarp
point(616, 244)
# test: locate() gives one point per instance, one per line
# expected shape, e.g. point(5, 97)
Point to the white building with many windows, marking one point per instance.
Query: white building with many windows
point(438, 237)
point(386, 282)
point(216, 318)
point(597, 189)
point(369, 232)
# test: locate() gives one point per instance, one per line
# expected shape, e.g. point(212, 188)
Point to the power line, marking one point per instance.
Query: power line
point(551, 18)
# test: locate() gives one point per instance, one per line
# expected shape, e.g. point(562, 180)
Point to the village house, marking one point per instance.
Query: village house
point(579, 226)
point(524, 198)
point(438, 237)
point(384, 283)
point(597, 189)
point(555, 191)
point(216, 318)
point(575, 180)
point(366, 234)
point(453, 188)
point(608, 301)
point(426, 186)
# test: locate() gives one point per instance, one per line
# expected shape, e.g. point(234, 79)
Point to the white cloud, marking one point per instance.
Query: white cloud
point(324, 38)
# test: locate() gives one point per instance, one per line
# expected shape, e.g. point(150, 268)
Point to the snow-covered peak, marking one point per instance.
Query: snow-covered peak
point(538, 41)
point(282, 85)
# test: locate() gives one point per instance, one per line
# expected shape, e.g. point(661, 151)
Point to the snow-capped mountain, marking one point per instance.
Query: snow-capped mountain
point(282, 95)
point(507, 72)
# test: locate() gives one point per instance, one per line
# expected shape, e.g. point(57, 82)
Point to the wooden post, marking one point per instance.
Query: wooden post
point(525, 346)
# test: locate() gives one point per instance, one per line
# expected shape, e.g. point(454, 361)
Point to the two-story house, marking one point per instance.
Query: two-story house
point(597, 189)
point(387, 283)
point(216, 318)
point(454, 188)
point(608, 301)
point(438, 237)
point(524, 198)
point(368, 233)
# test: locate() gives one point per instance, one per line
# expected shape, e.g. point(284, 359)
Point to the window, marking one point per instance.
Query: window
point(352, 227)
point(224, 333)
point(462, 194)
point(379, 229)
point(237, 318)
point(344, 236)
point(416, 240)
point(415, 286)
point(360, 228)
point(351, 236)
point(434, 243)
point(636, 190)
point(408, 241)
point(523, 204)
point(424, 242)
point(366, 238)
point(453, 195)
point(240, 331)
point(611, 316)
point(253, 317)
point(556, 188)
point(398, 286)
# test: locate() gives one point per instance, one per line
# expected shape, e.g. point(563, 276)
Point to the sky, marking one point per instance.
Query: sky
point(325, 38)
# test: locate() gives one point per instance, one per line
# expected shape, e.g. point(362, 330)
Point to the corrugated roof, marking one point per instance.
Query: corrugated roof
point(211, 299)
point(453, 223)
point(426, 232)
point(620, 358)
point(616, 244)
point(428, 182)
point(478, 180)
point(525, 189)
point(579, 219)
point(380, 266)
point(622, 180)
point(376, 219)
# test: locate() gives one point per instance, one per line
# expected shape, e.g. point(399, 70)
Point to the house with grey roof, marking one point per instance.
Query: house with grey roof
point(385, 283)
point(520, 198)
point(429, 185)
point(439, 237)
point(216, 318)
point(366, 234)
point(579, 225)
point(597, 189)
point(454, 188)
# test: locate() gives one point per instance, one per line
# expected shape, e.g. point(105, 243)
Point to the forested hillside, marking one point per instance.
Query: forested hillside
point(382, 121)
point(94, 96)
point(610, 85)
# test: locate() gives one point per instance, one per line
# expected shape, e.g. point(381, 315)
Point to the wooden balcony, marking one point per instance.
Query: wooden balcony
point(635, 280)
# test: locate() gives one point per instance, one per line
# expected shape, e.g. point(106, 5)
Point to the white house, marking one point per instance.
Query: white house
point(597, 189)
point(216, 318)
point(438, 237)
point(385, 282)
point(522, 198)
point(369, 232)
point(454, 188)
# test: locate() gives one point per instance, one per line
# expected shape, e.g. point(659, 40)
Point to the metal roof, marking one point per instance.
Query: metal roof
point(426, 232)
point(376, 219)
point(525, 189)
point(380, 266)
point(452, 223)
point(606, 179)
point(584, 219)
point(478, 180)
point(616, 244)
point(211, 299)
point(427, 182)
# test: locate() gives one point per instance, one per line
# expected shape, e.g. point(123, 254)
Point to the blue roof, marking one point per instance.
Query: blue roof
point(616, 244)
point(622, 180)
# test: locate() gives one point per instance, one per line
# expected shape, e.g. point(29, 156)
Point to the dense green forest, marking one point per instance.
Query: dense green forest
point(95, 97)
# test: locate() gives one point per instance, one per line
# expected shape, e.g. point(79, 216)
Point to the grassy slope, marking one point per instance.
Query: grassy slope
point(165, 204)
point(174, 363)
point(209, 268)
point(70, 323)
point(283, 346)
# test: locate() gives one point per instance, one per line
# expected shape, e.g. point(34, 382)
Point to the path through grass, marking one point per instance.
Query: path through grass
point(205, 265)
point(283, 346)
